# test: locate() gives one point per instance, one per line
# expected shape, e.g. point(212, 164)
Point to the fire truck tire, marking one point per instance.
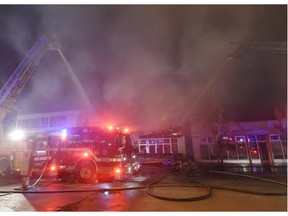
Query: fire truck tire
point(5, 168)
point(86, 172)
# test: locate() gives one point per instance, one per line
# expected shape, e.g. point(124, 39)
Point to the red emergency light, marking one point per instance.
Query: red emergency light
point(53, 168)
point(85, 154)
point(110, 127)
point(118, 170)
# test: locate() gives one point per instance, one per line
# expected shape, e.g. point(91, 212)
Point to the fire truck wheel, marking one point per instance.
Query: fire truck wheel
point(5, 168)
point(86, 172)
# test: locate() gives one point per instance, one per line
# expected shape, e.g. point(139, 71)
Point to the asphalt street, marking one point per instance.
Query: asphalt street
point(166, 191)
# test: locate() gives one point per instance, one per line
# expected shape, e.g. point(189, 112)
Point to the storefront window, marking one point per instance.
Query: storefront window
point(167, 149)
point(277, 149)
point(166, 140)
point(152, 149)
point(254, 150)
point(174, 140)
point(152, 141)
point(175, 148)
point(242, 152)
point(241, 147)
point(232, 152)
point(159, 149)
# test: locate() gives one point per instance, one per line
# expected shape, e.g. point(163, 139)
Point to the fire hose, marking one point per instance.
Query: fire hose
point(193, 183)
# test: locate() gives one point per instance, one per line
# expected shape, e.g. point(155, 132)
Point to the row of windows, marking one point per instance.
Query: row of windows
point(257, 146)
point(158, 141)
point(250, 138)
point(43, 122)
point(159, 148)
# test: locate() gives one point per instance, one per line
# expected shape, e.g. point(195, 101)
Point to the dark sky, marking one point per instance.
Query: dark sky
point(149, 66)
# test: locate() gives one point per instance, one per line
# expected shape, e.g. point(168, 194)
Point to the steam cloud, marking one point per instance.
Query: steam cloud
point(139, 65)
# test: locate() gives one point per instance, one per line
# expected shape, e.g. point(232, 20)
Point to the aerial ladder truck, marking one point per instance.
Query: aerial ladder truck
point(21, 75)
point(23, 156)
point(16, 155)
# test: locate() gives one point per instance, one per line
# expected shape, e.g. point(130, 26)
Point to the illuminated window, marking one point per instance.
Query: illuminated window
point(239, 138)
point(251, 138)
point(254, 150)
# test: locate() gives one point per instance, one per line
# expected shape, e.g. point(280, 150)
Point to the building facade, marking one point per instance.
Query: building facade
point(248, 143)
point(48, 122)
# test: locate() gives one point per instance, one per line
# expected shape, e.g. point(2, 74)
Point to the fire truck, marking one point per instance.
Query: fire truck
point(85, 153)
point(22, 156)
point(89, 153)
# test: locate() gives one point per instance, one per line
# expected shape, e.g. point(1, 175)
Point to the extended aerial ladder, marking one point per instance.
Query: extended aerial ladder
point(21, 75)
point(261, 47)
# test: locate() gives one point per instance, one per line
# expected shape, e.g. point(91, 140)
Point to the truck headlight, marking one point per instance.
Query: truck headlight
point(17, 135)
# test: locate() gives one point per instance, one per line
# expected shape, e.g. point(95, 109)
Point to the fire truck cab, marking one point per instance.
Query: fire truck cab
point(93, 152)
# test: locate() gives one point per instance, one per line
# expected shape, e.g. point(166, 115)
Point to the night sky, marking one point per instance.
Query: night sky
point(149, 66)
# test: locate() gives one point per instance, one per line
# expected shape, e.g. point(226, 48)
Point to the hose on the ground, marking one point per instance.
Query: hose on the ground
point(199, 184)
point(205, 195)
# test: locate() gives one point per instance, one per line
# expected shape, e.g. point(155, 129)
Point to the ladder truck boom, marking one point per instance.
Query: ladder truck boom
point(261, 47)
point(21, 75)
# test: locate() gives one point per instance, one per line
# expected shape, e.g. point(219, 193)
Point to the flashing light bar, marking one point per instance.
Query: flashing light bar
point(111, 128)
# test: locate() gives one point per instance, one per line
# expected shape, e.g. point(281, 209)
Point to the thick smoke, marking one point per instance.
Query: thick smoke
point(143, 66)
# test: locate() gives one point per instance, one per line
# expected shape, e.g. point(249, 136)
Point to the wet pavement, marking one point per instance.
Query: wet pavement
point(172, 192)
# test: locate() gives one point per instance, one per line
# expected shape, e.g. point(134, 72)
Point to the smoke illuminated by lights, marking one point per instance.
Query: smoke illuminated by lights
point(145, 66)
